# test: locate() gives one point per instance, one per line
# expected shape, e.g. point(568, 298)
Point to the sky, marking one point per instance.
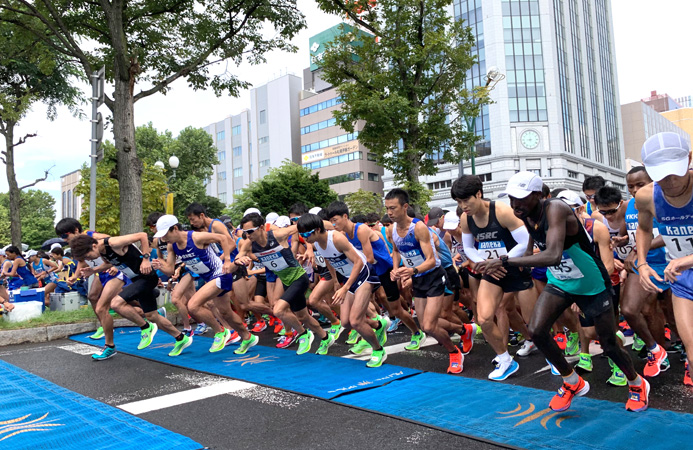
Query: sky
point(650, 55)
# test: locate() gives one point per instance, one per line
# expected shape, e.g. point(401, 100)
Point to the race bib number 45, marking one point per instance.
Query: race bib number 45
point(566, 270)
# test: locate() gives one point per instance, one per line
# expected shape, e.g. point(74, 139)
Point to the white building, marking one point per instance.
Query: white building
point(70, 204)
point(557, 112)
point(251, 142)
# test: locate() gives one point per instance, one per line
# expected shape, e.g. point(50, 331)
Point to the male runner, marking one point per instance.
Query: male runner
point(590, 187)
point(576, 275)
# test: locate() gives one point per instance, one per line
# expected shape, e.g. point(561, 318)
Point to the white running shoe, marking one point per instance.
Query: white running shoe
point(527, 348)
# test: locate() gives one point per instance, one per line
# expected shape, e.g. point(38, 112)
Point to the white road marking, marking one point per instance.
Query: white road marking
point(180, 398)
point(80, 349)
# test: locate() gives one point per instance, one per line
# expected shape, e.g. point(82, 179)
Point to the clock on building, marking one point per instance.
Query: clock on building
point(530, 139)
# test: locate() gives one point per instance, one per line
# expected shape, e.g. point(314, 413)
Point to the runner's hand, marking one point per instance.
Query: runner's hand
point(113, 271)
point(243, 261)
point(87, 272)
point(677, 267)
point(8, 306)
point(620, 241)
point(618, 265)
point(228, 267)
point(340, 295)
point(575, 308)
point(156, 264)
point(645, 273)
point(146, 266)
point(629, 262)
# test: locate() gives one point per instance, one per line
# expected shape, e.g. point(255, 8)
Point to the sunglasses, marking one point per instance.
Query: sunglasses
point(372, 224)
point(589, 197)
point(609, 212)
point(63, 236)
point(295, 219)
point(250, 230)
point(306, 234)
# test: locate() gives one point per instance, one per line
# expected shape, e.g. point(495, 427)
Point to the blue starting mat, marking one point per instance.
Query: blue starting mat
point(520, 416)
point(325, 377)
point(35, 413)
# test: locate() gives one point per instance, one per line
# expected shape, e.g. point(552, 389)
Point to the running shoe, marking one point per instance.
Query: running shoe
point(468, 337)
point(642, 354)
point(381, 332)
point(336, 330)
point(638, 396)
point(147, 336)
point(107, 352)
point(585, 363)
point(394, 325)
point(304, 342)
point(554, 371)
point(627, 331)
point(456, 362)
point(667, 333)
point(188, 332)
point(656, 363)
point(561, 340)
point(245, 345)
point(638, 343)
point(325, 344)
point(98, 334)
point(260, 326)
point(360, 347)
point(283, 331)
point(573, 346)
point(504, 370)
point(417, 339)
point(181, 345)
point(676, 347)
point(527, 348)
point(201, 329)
point(353, 337)
point(617, 377)
point(687, 377)
point(161, 311)
point(684, 355)
point(323, 320)
point(377, 358)
point(286, 341)
point(220, 340)
point(278, 326)
point(233, 337)
point(564, 397)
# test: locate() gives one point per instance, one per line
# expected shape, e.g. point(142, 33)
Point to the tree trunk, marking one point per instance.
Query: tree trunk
point(15, 217)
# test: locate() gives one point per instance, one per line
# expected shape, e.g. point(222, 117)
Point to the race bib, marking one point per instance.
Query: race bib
point(626, 250)
point(566, 270)
point(128, 272)
point(343, 266)
point(196, 266)
point(678, 246)
point(320, 261)
point(412, 258)
point(492, 249)
point(273, 259)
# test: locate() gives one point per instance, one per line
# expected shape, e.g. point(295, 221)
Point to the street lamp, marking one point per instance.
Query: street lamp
point(173, 162)
point(493, 77)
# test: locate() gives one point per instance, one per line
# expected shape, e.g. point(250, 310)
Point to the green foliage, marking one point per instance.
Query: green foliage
point(280, 188)
point(37, 214)
point(214, 206)
point(364, 202)
point(420, 192)
point(408, 85)
point(108, 192)
point(5, 237)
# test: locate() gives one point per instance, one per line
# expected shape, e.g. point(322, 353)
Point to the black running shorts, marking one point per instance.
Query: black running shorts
point(431, 284)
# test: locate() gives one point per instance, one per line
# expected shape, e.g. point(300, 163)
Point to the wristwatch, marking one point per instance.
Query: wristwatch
point(504, 260)
point(146, 255)
point(415, 270)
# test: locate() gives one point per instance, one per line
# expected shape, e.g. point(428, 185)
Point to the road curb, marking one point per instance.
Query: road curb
point(62, 331)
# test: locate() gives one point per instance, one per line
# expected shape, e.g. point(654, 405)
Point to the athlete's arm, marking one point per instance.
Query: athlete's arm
point(423, 236)
point(396, 257)
point(203, 240)
point(282, 234)
point(53, 267)
point(364, 234)
point(13, 269)
point(507, 219)
point(167, 266)
point(603, 239)
point(557, 214)
point(121, 243)
point(643, 237)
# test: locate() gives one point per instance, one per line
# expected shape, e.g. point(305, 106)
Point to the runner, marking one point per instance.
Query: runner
point(669, 200)
point(18, 272)
point(195, 250)
point(573, 273)
point(140, 285)
point(590, 187)
point(413, 244)
point(44, 270)
point(499, 234)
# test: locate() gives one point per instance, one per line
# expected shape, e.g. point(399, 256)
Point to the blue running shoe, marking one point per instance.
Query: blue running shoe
point(503, 370)
point(553, 369)
point(394, 325)
point(201, 329)
point(107, 352)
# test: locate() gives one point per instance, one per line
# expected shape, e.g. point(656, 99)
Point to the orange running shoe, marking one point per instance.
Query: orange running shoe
point(561, 340)
point(667, 333)
point(456, 361)
point(260, 325)
point(278, 325)
point(561, 401)
point(656, 363)
point(468, 337)
point(687, 377)
point(638, 396)
point(233, 338)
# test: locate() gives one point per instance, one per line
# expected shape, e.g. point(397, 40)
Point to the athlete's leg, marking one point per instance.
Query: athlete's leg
point(360, 301)
point(634, 301)
point(227, 314)
point(515, 319)
point(317, 299)
point(429, 310)
point(683, 311)
point(180, 295)
point(282, 310)
point(547, 310)
point(527, 299)
point(112, 288)
point(95, 291)
point(50, 287)
point(488, 301)
point(605, 326)
point(197, 305)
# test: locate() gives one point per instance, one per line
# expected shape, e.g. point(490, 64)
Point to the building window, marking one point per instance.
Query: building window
point(264, 163)
point(263, 117)
point(318, 126)
point(486, 176)
point(320, 106)
point(334, 160)
point(608, 84)
point(220, 135)
point(64, 205)
point(440, 185)
point(371, 156)
point(69, 201)
point(330, 142)
point(74, 206)
point(222, 197)
point(344, 178)
point(238, 172)
point(235, 131)
point(263, 140)
point(572, 174)
point(237, 192)
point(373, 177)
point(237, 151)
point(222, 176)
point(221, 155)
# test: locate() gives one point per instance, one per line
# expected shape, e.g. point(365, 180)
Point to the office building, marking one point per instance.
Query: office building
point(640, 121)
point(70, 204)
point(661, 102)
point(681, 117)
point(557, 111)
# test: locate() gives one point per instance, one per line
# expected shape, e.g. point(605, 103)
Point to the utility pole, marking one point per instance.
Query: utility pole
point(97, 99)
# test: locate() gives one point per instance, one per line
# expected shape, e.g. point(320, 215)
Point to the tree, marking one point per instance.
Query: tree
point(155, 43)
point(108, 212)
point(364, 202)
point(37, 211)
point(280, 188)
point(407, 81)
point(30, 72)
point(5, 236)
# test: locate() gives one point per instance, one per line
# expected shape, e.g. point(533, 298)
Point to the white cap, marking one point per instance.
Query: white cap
point(271, 217)
point(315, 210)
point(164, 224)
point(31, 253)
point(251, 211)
point(451, 221)
point(665, 154)
point(2, 252)
point(282, 221)
point(55, 245)
point(522, 184)
point(572, 198)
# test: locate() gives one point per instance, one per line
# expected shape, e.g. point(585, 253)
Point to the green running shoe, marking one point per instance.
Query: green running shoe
point(638, 344)
point(220, 339)
point(381, 332)
point(573, 346)
point(106, 353)
point(282, 332)
point(325, 345)
point(181, 345)
point(617, 377)
point(304, 342)
point(98, 334)
point(336, 330)
point(416, 340)
point(353, 337)
point(377, 358)
point(360, 347)
point(245, 345)
point(585, 362)
point(148, 336)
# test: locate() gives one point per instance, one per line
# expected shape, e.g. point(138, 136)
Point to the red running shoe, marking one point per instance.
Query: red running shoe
point(656, 363)
point(638, 396)
point(260, 325)
point(561, 401)
point(286, 341)
point(278, 325)
point(233, 338)
point(468, 337)
point(562, 342)
point(667, 333)
point(687, 377)
point(456, 362)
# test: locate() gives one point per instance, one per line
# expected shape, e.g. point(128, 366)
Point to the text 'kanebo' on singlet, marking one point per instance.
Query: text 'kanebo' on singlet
point(341, 263)
point(580, 272)
point(202, 261)
point(129, 263)
point(675, 224)
point(278, 259)
point(494, 239)
point(410, 249)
